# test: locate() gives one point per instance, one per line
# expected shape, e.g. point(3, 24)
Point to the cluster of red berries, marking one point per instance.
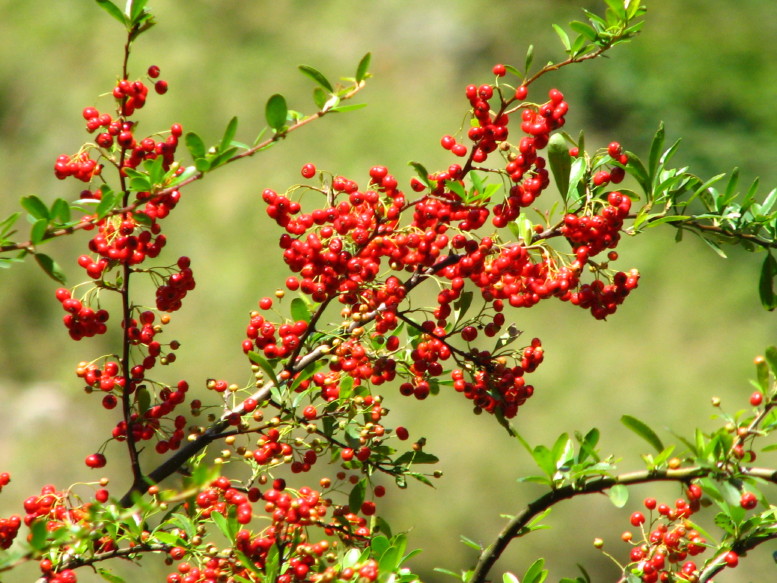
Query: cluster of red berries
point(122, 242)
point(170, 295)
point(9, 528)
point(617, 173)
point(274, 341)
point(603, 299)
point(670, 541)
point(81, 321)
point(291, 513)
point(590, 235)
point(220, 496)
point(80, 166)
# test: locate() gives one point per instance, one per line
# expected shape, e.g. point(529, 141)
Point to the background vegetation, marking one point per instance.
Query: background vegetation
point(706, 68)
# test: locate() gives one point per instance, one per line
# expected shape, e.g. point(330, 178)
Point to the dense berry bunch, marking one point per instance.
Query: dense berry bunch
point(669, 540)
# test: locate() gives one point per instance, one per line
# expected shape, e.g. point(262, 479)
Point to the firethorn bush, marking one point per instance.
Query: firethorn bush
point(282, 478)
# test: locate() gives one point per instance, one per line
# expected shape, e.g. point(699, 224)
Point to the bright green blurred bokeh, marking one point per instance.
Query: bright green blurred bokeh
point(708, 69)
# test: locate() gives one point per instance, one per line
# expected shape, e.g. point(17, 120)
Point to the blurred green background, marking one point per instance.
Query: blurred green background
point(707, 68)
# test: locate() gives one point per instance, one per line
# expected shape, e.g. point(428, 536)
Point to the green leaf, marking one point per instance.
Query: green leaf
point(60, 211)
point(416, 457)
point(110, 577)
point(317, 76)
point(583, 29)
point(619, 495)
point(543, 457)
point(137, 9)
point(299, 310)
point(52, 269)
point(113, 10)
point(276, 112)
point(143, 399)
point(456, 187)
point(563, 36)
point(536, 572)
point(356, 497)
point(655, 150)
point(766, 283)
point(195, 145)
point(38, 231)
point(229, 134)
point(713, 245)
point(225, 526)
point(362, 69)
point(643, 431)
point(39, 532)
point(618, 8)
point(470, 543)
point(35, 206)
point(422, 172)
point(529, 58)
point(576, 175)
point(771, 358)
point(348, 107)
point(8, 222)
point(257, 358)
point(560, 162)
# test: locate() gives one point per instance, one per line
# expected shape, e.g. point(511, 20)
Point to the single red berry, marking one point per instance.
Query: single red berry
point(637, 519)
point(732, 559)
point(447, 142)
point(614, 150)
point(748, 501)
point(310, 412)
point(265, 303)
point(90, 113)
point(153, 71)
point(402, 433)
point(160, 87)
point(95, 460)
point(521, 93)
point(101, 495)
point(756, 398)
point(308, 171)
point(650, 503)
point(499, 70)
point(380, 491)
point(368, 508)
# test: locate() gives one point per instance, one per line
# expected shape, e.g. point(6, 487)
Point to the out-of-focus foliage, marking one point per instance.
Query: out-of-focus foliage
point(707, 69)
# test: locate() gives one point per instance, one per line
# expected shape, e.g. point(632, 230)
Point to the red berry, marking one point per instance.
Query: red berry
point(521, 93)
point(748, 501)
point(265, 303)
point(637, 519)
point(614, 150)
point(95, 460)
point(90, 113)
point(153, 71)
point(732, 559)
point(756, 399)
point(499, 70)
point(368, 508)
point(160, 87)
point(402, 433)
point(650, 503)
point(308, 171)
